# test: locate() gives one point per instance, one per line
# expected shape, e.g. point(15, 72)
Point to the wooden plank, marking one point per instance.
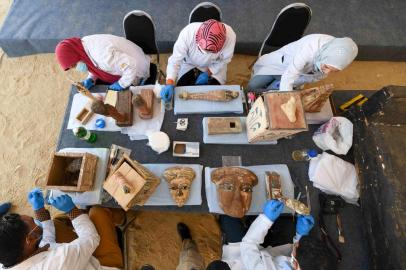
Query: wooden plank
point(125, 107)
point(224, 125)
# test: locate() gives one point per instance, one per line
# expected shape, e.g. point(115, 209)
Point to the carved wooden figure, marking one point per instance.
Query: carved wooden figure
point(224, 125)
point(100, 107)
point(314, 98)
point(234, 189)
point(179, 180)
point(214, 95)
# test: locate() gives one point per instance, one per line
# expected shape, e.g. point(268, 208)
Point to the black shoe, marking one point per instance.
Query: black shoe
point(183, 231)
point(147, 267)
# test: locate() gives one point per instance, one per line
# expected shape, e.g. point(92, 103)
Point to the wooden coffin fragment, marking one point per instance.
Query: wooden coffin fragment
point(214, 95)
point(224, 125)
point(314, 98)
point(124, 106)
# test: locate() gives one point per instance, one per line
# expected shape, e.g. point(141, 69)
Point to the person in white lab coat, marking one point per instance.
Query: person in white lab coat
point(111, 59)
point(306, 60)
point(26, 245)
point(249, 255)
point(200, 56)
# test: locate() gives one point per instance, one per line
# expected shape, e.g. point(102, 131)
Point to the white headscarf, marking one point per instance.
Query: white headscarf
point(338, 53)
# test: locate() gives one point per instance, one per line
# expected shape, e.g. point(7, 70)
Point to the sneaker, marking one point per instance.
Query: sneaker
point(205, 11)
point(183, 231)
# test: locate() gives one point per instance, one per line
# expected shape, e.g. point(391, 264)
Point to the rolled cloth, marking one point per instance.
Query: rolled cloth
point(338, 53)
point(70, 51)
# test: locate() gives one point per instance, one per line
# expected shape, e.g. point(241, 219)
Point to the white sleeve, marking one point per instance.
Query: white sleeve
point(127, 67)
point(180, 51)
point(48, 233)
point(295, 69)
point(91, 76)
point(309, 78)
point(227, 54)
point(250, 252)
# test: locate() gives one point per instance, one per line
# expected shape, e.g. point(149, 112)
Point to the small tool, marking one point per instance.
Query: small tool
point(341, 238)
point(308, 199)
point(358, 100)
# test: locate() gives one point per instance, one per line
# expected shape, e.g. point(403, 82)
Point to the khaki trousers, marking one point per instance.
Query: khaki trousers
point(190, 258)
point(108, 252)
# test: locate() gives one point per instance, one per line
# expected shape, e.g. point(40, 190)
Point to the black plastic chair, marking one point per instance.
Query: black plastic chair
point(289, 26)
point(140, 29)
point(205, 11)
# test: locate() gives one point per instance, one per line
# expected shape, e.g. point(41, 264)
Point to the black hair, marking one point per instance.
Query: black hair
point(13, 231)
point(314, 254)
point(218, 265)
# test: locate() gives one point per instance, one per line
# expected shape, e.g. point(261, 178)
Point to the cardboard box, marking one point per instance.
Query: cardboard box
point(141, 181)
point(266, 121)
point(72, 171)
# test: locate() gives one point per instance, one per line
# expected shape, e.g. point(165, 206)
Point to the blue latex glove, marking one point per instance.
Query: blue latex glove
point(116, 87)
point(167, 92)
point(202, 79)
point(272, 209)
point(304, 224)
point(63, 203)
point(36, 199)
point(88, 83)
point(275, 85)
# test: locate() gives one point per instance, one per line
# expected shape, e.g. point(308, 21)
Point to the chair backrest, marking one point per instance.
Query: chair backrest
point(140, 29)
point(205, 11)
point(289, 26)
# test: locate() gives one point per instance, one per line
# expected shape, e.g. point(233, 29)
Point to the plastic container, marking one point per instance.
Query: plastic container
point(304, 154)
point(83, 134)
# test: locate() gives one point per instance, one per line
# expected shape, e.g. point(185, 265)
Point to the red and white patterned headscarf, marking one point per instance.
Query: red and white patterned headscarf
point(211, 36)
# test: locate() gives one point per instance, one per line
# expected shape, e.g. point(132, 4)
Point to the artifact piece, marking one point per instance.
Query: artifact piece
point(144, 102)
point(72, 172)
point(289, 108)
point(234, 189)
point(179, 180)
point(314, 98)
point(213, 95)
point(267, 121)
point(186, 149)
point(223, 125)
point(182, 123)
point(84, 115)
point(99, 107)
point(125, 107)
point(295, 205)
point(130, 183)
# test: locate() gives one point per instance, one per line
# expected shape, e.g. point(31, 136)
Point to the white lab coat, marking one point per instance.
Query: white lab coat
point(75, 255)
point(295, 62)
point(249, 255)
point(117, 56)
point(187, 56)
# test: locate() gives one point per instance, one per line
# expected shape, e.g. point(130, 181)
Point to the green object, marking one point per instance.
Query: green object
point(83, 134)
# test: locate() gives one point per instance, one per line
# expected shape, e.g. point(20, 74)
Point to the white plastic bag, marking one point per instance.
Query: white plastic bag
point(333, 175)
point(335, 135)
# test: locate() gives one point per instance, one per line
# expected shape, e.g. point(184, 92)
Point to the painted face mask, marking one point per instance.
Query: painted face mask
point(234, 189)
point(81, 67)
point(179, 180)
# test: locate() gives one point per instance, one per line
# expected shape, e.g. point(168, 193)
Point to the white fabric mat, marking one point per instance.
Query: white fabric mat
point(259, 191)
point(320, 117)
point(162, 196)
point(137, 131)
point(240, 138)
point(94, 196)
point(203, 106)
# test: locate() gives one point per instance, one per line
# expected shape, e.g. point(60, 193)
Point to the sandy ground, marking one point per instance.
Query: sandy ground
point(33, 97)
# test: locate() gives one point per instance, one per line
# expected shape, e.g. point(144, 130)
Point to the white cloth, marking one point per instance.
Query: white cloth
point(295, 62)
point(74, 255)
point(250, 255)
point(187, 56)
point(335, 176)
point(117, 56)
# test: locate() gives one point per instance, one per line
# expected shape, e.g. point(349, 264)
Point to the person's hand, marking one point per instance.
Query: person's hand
point(304, 224)
point(36, 199)
point(272, 209)
point(167, 92)
point(116, 87)
point(63, 203)
point(202, 79)
point(88, 83)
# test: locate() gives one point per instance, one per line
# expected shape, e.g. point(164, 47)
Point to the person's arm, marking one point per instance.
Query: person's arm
point(48, 227)
point(309, 78)
point(250, 249)
point(295, 69)
point(180, 51)
point(227, 53)
point(127, 67)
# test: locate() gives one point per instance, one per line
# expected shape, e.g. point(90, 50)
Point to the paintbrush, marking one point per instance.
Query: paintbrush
point(340, 230)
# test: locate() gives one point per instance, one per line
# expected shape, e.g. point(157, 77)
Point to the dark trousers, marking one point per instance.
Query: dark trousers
point(281, 232)
point(189, 78)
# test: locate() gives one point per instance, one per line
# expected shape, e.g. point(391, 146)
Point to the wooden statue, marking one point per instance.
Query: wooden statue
point(224, 125)
point(179, 180)
point(99, 107)
point(213, 95)
point(144, 102)
point(314, 98)
point(234, 189)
